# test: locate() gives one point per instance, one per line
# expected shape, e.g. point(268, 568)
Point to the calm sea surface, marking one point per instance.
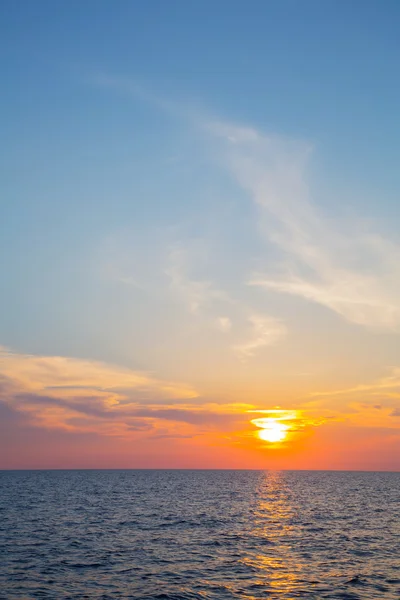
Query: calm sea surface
point(199, 534)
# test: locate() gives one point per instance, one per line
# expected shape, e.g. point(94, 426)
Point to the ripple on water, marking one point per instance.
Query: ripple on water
point(215, 535)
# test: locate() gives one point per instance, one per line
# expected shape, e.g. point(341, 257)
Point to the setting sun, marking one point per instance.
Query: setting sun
point(276, 425)
point(272, 430)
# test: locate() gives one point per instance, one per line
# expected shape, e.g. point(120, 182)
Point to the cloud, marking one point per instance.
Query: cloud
point(390, 382)
point(51, 390)
point(60, 374)
point(76, 395)
point(341, 265)
point(196, 294)
point(91, 398)
point(359, 403)
point(131, 88)
point(224, 324)
point(293, 421)
point(192, 416)
point(265, 331)
point(344, 267)
point(201, 296)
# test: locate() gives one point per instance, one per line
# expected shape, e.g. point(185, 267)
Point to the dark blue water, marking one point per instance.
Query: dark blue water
point(199, 534)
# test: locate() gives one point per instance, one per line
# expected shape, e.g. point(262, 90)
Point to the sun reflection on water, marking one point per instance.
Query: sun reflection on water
point(273, 525)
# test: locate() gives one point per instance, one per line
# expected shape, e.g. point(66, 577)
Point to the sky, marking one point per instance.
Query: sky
point(199, 234)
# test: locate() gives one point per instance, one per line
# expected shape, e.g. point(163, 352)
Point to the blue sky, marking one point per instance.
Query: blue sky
point(204, 191)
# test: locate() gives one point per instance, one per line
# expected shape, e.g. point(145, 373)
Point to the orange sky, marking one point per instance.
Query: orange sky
point(70, 413)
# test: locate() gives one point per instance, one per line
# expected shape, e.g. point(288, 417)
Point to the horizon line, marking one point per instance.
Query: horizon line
point(200, 469)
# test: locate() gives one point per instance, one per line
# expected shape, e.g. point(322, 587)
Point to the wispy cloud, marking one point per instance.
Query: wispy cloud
point(340, 264)
point(345, 267)
point(359, 402)
point(62, 374)
point(384, 384)
point(75, 395)
point(261, 330)
point(295, 420)
point(350, 270)
point(52, 390)
point(224, 324)
point(265, 331)
point(181, 270)
point(195, 294)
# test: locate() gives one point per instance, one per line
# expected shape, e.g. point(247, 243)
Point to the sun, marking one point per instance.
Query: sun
point(271, 430)
point(276, 425)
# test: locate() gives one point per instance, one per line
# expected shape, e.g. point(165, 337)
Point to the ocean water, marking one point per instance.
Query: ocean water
point(199, 534)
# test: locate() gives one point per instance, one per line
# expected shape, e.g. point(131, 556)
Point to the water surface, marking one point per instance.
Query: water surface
point(199, 535)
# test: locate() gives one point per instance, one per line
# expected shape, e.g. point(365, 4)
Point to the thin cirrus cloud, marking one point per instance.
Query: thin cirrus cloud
point(172, 273)
point(247, 329)
point(344, 267)
point(389, 385)
point(338, 264)
point(355, 273)
point(199, 296)
point(265, 331)
point(360, 404)
point(195, 294)
point(224, 324)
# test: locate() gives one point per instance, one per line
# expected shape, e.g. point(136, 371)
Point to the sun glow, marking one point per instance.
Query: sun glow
point(276, 425)
point(272, 430)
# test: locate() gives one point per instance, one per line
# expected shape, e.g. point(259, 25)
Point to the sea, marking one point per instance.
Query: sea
point(194, 535)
